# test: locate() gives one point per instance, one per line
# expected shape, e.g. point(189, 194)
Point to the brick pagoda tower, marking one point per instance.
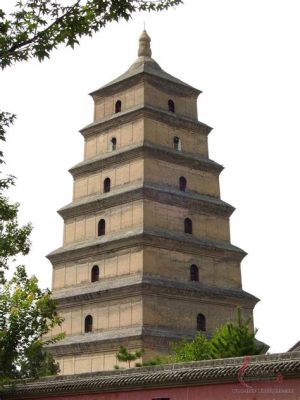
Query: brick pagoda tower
point(146, 256)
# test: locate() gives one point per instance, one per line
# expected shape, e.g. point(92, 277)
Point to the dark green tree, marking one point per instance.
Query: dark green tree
point(186, 350)
point(235, 339)
point(27, 313)
point(13, 238)
point(157, 360)
point(125, 355)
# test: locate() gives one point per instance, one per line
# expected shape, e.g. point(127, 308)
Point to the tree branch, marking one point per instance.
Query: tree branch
point(17, 46)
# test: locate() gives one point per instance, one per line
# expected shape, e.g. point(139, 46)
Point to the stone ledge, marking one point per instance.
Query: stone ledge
point(139, 284)
point(142, 150)
point(142, 111)
point(123, 333)
point(149, 191)
point(147, 237)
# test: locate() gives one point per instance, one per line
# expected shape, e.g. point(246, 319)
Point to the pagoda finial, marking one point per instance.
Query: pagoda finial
point(144, 46)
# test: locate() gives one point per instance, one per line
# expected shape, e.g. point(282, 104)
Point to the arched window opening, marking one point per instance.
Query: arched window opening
point(177, 143)
point(113, 144)
point(194, 273)
point(171, 105)
point(106, 185)
point(188, 226)
point(95, 273)
point(201, 323)
point(101, 227)
point(182, 184)
point(88, 324)
point(118, 106)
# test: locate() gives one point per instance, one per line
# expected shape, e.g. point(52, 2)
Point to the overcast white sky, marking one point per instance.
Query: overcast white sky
point(244, 56)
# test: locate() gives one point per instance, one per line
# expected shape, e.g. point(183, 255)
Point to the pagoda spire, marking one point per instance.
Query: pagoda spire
point(144, 45)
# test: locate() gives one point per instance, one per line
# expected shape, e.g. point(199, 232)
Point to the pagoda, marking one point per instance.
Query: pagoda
point(146, 256)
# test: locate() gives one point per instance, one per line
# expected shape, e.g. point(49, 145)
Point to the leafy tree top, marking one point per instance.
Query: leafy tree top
point(126, 356)
point(36, 27)
point(233, 339)
point(27, 313)
point(14, 239)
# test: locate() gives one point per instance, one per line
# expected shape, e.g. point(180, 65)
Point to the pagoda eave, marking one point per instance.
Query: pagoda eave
point(131, 286)
point(140, 237)
point(158, 193)
point(142, 150)
point(126, 81)
point(145, 110)
point(110, 340)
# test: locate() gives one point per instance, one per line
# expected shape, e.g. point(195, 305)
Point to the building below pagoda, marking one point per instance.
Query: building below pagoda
point(269, 377)
point(146, 257)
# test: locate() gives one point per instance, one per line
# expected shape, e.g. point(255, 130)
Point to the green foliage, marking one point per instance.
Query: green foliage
point(37, 362)
point(118, 367)
point(125, 356)
point(233, 339)
point(27, 313)
point(6, 119)
point(153, 361)
point(37, 27)
point(13, 238)
point(197, 349)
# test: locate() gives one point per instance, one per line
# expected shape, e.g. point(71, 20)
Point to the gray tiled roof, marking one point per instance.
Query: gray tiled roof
point(296, 347)
point(264, 367)
point(146, 65)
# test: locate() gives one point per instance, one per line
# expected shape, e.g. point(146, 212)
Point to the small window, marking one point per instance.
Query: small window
point(113, 144)
point(188, 226)
point(194, 273)
point(118, 106)
point(182, 184)
point(101, 227)
point(106, 185)
point(177, 143)
point(88, 324)
point(201, 323)
point(95, 273)
point(171, 106)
